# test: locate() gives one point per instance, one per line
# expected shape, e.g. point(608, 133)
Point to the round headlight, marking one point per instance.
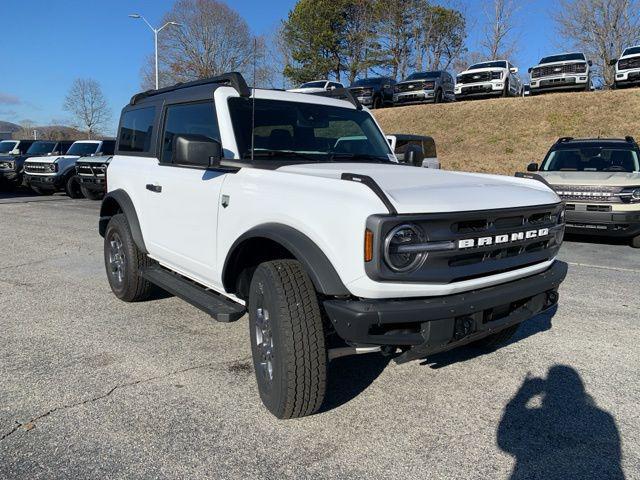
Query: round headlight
point(397, 248)
point(635, 195)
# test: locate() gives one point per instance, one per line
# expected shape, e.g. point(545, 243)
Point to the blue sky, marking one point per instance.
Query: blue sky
point(46, 44)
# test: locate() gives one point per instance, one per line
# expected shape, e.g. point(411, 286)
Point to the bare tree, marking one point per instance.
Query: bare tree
point(396, 29)
point(600, 28)
point(499, 29)
point(86, 102)
point(211, 40)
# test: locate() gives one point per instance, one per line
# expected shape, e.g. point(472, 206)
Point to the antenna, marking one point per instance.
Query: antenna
point(253, 103)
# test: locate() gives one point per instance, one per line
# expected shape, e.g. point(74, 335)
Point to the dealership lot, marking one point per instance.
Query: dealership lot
point(91, 387)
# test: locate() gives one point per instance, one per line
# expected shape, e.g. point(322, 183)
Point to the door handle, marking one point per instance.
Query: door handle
point(154, 188)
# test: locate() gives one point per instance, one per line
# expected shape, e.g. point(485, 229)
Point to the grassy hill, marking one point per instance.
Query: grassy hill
point(502, 135)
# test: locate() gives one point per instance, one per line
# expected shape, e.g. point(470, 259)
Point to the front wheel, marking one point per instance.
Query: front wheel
point(287, 339)
point(72, 187)
point(507, 89)
point(439, 97)
point(377, 103)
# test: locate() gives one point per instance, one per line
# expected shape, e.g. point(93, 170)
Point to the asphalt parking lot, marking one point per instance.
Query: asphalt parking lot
point(91, 387)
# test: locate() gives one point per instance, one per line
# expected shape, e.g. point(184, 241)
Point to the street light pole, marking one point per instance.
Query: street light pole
point(155, 38)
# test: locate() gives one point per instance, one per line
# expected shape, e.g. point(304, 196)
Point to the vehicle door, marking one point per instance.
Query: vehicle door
point(182, 201)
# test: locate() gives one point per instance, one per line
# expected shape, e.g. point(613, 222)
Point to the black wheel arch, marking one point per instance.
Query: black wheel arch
point(118, 201)
point(273, 240)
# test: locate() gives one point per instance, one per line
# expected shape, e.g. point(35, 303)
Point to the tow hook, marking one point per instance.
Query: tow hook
point(552, 298)
point(462, 327)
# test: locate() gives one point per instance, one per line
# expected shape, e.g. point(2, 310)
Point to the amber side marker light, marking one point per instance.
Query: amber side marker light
point(368, 245)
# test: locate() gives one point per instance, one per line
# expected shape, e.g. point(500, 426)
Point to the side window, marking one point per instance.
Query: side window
point(191, 118)
point(136, 129)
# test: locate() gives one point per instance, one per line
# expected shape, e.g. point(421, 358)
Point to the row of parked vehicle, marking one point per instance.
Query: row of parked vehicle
point(566, 71)
point(49, 166)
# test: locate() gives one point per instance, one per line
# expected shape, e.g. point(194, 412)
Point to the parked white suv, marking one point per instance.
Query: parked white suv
point(317, 86)
point(567, 71)
point(293, 208)
point(627, 67)
point(497, 77)
point(53, 173)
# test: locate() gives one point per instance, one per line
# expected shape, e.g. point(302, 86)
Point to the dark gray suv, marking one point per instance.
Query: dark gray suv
point(425, 87)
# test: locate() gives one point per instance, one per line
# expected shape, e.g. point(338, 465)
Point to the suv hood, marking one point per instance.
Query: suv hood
point(51, 158)
point(483, 70)
point(306, 90)
point(613, 179)
point(416, 190)
point(97, 159)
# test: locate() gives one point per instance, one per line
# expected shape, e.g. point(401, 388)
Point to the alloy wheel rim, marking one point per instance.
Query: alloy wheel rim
point(116, 258)
point(264, 343)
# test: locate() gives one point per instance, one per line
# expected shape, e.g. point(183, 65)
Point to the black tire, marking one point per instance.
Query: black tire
point(91, 194)
point(439, 96)
point(43, 191)
point(124, 261)
point(635, 241)
point(377, 103)
point(497, 339)
point(506, 92)
point(287, 339)
point(72, 187)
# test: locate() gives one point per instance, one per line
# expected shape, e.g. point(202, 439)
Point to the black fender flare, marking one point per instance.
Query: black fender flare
point(119, 201)
point(322, 273)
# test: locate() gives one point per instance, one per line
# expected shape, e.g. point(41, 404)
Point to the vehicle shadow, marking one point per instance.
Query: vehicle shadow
point(555, 430)
point(533, 326)
point(349, 376)
point(596, 239)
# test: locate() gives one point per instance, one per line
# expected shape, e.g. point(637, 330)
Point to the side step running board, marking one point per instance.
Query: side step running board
point(219, 307)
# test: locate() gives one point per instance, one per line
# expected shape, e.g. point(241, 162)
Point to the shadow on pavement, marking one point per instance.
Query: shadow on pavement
point(596, 239)
point(537, 324)
point(554, 430)
point(349, 376)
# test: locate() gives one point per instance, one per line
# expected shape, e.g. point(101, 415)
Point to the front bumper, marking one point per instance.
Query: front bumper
point(10, 176)
point(495, 87)
point(559, 82)
point(46, 182)
point(420, 96)
point(628, 77)
point(94, 184)
point(432, 325)
point(607, 223)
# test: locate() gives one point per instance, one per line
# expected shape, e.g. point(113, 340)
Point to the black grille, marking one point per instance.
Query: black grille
point(558, 70)
point(474, 77)
point(91, 170)
point(508, 250)
point(37, 167)
point(589, 193)
point(413, 86)
point(629, 63)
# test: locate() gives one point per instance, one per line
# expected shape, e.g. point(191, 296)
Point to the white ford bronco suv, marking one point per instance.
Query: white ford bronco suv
point(599, 180)
point(293, 208)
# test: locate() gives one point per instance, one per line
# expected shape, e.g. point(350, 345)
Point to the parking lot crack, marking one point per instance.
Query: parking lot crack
point(31, 423)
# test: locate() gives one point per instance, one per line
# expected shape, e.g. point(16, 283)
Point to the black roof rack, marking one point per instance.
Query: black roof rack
point(341, 94)
point(564, 139)
point(232, 79)
point(630, 139)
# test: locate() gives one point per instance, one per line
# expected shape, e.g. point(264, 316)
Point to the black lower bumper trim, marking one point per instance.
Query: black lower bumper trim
point(428, 324)
point(613, 224)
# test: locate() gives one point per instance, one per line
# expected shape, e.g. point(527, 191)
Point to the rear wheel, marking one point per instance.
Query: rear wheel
point(497, 339)
point(91, 194)
point(124, 262)
point(72, 187)
point(287, 339)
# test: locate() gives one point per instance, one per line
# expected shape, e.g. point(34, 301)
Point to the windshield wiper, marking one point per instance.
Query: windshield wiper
point(279, 153)
point(343, 156)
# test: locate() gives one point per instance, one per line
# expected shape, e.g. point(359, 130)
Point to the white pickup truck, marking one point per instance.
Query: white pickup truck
point(294, 209)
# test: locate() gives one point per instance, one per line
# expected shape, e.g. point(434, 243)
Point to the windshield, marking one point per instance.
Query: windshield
point(499, 64)
point(82, 149)
point(308, 132)
point(631, 51)
point(40, 148)
point(423, 75)
point(592, 159)
point(313, 85)
point(6, 146)
point(563, 58)
point(366, 81)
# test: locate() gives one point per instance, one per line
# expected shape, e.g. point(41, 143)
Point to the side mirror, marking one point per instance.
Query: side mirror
point(532, 167)
point(414, 155)
point(15, 151)
point(590, 63)
point(332, 87)
point(514, 70)
point(196, 150)
point(529, 70)
point(613, 61)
